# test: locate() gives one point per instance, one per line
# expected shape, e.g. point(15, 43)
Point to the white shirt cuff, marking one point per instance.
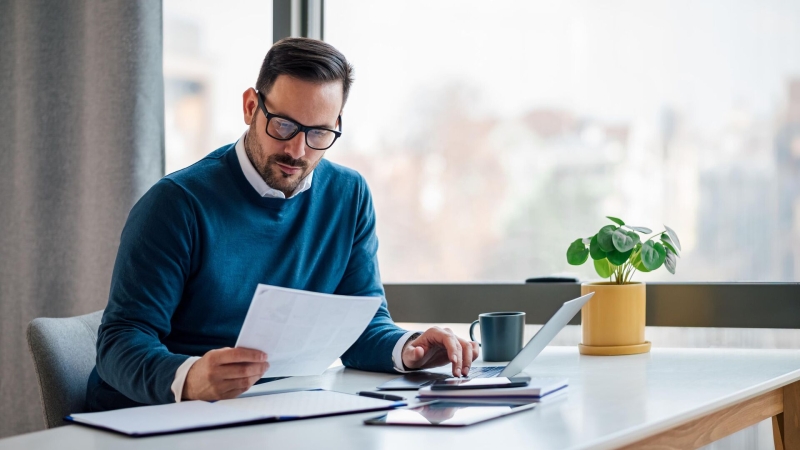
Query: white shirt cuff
point(397, 353)
point(180, 377)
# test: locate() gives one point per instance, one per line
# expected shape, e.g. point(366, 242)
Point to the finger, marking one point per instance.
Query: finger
point(453, 348)
point(241, 370)
point(238, 355)
point(466, 356)
point(433, 357)
point(476, 350)
point(235, 388)
point(413, 356)
point(413, 353)
point(459, 355)
point(240, 383)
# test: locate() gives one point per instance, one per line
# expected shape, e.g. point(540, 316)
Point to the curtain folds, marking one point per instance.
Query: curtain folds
point(81, 138)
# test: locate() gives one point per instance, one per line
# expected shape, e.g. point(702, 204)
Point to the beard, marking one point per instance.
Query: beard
point(268, 169)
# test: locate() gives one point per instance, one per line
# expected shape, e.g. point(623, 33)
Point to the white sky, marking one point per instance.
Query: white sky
point(615, 60)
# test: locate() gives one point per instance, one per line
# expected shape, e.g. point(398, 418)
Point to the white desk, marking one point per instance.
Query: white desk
point(687, 397)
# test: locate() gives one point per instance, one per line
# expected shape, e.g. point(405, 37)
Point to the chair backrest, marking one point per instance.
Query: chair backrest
point(64, 352)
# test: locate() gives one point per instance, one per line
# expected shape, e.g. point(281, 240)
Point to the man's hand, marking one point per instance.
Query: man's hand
point(437, 347)
point(224, 373)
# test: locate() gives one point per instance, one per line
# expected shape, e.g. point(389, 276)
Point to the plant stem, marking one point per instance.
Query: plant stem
point(631, 275)
point(626, 276)
point(651, 237)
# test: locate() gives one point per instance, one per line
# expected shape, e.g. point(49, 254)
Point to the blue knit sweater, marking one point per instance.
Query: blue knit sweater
point(192, 252)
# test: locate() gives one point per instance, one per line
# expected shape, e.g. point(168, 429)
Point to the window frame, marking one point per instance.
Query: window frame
point(717, 305)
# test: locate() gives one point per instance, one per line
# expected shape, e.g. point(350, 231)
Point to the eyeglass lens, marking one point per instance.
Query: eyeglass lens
point(317, 138)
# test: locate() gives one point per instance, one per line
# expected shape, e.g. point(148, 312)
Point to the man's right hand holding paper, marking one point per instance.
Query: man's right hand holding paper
point(224, 373)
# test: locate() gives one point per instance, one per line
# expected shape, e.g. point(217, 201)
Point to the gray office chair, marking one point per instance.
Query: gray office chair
point(64, 352)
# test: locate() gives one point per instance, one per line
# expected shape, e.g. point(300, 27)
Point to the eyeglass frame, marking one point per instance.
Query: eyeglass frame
point(300, 126)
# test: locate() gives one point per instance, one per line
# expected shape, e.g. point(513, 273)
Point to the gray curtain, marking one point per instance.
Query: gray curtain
point(81, 138)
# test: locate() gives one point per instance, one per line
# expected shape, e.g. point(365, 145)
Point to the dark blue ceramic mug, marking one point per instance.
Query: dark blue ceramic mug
point(501, 334)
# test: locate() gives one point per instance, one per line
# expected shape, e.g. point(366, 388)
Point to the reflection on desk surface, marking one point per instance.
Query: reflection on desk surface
point(450, 413)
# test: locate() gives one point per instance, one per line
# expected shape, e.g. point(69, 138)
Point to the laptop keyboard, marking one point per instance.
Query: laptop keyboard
point(415, 380)
point(484, 372)
point(474, 372)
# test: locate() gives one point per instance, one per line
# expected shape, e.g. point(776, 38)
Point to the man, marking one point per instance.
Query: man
point(267, 209)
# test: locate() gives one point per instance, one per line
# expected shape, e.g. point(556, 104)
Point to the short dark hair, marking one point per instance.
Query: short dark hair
point(305, 59)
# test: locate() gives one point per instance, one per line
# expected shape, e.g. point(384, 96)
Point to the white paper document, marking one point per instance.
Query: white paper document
point(303, 332)
point(304, 404)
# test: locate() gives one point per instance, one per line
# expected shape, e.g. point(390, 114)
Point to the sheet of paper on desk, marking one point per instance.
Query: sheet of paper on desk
point(305, 404)
point(303, 332)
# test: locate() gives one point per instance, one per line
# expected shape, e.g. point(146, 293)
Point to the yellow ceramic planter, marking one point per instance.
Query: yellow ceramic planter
point(612, 322)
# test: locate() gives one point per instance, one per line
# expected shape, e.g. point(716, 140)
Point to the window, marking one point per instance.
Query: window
point(212, 54)
point(494, 135)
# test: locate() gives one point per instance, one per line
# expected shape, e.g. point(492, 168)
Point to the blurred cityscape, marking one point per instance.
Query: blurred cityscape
point(468, 199)
point(465, 193)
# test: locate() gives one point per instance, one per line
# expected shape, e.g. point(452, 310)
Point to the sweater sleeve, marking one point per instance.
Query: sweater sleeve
point(373, 349)
point(152, 265)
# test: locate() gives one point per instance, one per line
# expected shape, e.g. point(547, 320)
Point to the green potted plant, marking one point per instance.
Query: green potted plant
point(612, 322)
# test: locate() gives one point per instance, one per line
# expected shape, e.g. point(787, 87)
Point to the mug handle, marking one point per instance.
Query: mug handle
point(471, 328)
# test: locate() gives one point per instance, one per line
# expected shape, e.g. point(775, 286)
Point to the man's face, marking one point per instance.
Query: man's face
point(284, 164)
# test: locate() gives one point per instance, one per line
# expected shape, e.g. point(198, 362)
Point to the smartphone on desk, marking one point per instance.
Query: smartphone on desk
point(479, 383)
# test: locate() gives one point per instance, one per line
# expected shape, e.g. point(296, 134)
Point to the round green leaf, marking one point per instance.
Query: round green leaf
point(604, 238)
point(644, 230)
point(615, 220)
point(595, 251)
point(619, 258)
point(577, 253)
point(674, 237)
point(604, 268)
point(637, 263)
point(624, 240)
point(671, 262)
point(653, 255)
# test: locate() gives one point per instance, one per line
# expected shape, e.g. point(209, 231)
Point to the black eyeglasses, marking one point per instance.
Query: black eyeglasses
point(283, 129)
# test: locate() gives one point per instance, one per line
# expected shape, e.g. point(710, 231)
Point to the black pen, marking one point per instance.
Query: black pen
point(395, 398)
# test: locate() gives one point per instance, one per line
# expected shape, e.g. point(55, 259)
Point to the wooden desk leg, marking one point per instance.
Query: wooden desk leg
point(786, 426)
point(777, 431)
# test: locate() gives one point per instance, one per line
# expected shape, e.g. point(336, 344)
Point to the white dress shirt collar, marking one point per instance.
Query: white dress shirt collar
point(258, 183)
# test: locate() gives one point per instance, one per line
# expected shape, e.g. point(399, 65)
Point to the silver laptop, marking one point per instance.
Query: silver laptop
point(531, 350)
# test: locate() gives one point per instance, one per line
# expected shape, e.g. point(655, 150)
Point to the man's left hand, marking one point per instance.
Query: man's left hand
point(439, 346)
